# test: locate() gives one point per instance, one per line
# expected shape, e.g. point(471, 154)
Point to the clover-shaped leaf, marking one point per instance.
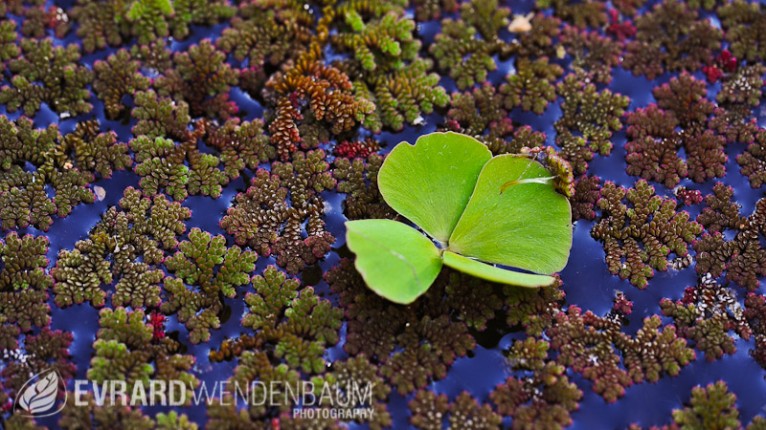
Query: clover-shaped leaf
point(480, 211)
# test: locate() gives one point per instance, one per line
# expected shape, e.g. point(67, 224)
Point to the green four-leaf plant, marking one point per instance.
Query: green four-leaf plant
point(480, 210)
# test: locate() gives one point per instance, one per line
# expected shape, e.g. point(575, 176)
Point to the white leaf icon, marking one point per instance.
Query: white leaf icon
point(39, 397)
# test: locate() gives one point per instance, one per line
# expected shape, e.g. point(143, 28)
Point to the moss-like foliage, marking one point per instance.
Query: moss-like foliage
point(540, 40)
point(301, 324)
point(201, 78)
point(671, 37)
point(682, 118)
point(753, 161)
point(588, 344)
point(465, 47)
point(743, 258)
point(93, 415)
point(381, 42)
point(328, 93)
point(179, 169)
point(640, 230)
point(359, 370)
point(588, 119)
point(123, 246)
point(430, 409)
point(241, 144)
point(705, 315)
point(586, 194)
point(744, 24)
point(204, 270)
point(426, 10)
point(482, 113)
point(266, 220)
point(160, 116)
point(23, 286)
point(126, 350)
point(531, 86)
point(116, 78)
point(288, 109)
point(588, 13)
point(292, 327)
point(36, 161)
point(711, 407)
point(267, 32)
point(47, 349)
point(592, 54)
point(198, 12)
point(414, 344)
point(532, 310)
point(358, 179)
point(112, 22)
point(755, 309)
point(9, 48)
point(545, 398)
point(49, 74)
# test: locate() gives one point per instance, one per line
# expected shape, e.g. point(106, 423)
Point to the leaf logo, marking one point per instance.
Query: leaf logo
point(37, 397)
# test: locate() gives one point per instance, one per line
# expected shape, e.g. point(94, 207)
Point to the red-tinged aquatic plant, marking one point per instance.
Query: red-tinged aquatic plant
point(640, 230)
point(262, 218)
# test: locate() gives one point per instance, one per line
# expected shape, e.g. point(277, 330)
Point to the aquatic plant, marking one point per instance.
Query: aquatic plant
point(36, 159)
point(204, 270)
point(358, 179)
point(23, 286)
point(711, 407)
point(429, 410)
point(593, 55)
point(118, 415)
point(423, 183)
point(671, 37)
point(382, 42)
point(465, 47)
point(267, 32)
point(588, 344)
point(49, 74)
point(482, 113)
point(640, 230)
point(159, 117)
point(116, 78)
point(329, 94)
point(588, 119)
point(586, 195)
point(241, 145)
point(179, 169)
point(125, 245)
point(288, 110)
point(742, 258)
point(744, 23)
point(706, 314)
point(543, 400)
point(263, 219)
point(201, 78)
point(753, 161)
point(586, 14)
point(126, 350)
point(531, 86)
point(113, 22)
point(417, 343)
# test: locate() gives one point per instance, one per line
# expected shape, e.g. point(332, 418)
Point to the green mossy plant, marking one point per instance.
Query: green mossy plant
point(480, 210)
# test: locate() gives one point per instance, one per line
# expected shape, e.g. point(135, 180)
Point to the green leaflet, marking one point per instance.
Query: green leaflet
point(502, 210)
point(395, 260)
point(527, 225)
point(430, 182)
point(495, 274)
